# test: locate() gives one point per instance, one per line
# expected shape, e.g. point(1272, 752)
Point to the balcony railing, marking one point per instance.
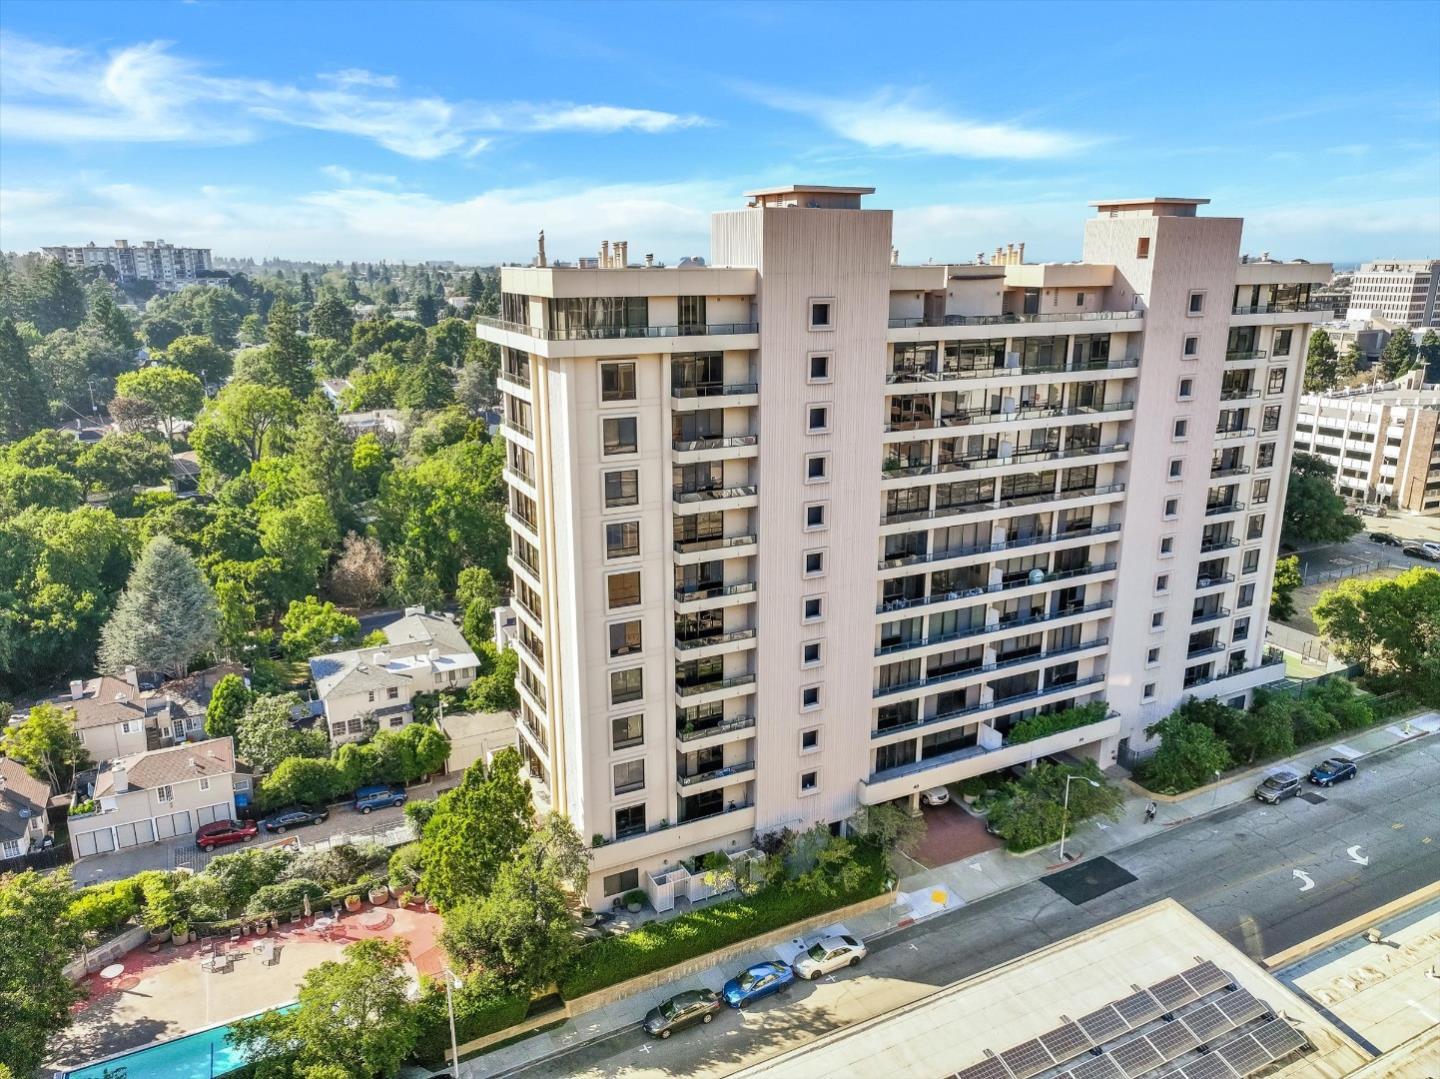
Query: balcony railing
point(1238, 395)
point(902, 516)
point(728, 772)
point(516, 476)
point(1284, 307)
point(689, 733)
point(908, 375)
point(520, 378)
point(1271, 659)
point(1204, 650)
point(975, 709)
point(729, 442)
point(716, 543)
point(714, 389)
point(600, 333)
point(1223, 433)
point(991, 548)
point(1241, 354)
point(903, 604)
point(1011, 319)
point(714, 494)
point(1214, 580)
point(929, 681)
point(1223, 508)
point(689, 644)
point(517, 427)
point(696, 688)
point(1238, 470)
point(1219, 544)
point(714, 591)
point(987, 415)
point(1019, 625)
point(1201, 617)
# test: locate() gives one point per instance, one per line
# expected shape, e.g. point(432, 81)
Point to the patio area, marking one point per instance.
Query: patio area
point(951, 835)
point(165, 994)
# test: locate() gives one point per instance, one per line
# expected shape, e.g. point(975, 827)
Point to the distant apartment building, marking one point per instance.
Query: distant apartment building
point(1383, 443)
point(154, 260)
point(808, 529)
point(1399, 292)
point(1369, 334)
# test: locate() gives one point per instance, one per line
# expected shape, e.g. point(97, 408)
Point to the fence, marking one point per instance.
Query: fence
point(1359, 569)
point(53, 858)
point(1307, 646)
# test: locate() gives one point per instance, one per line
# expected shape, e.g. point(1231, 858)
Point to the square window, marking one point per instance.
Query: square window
point(1181, 429)
point(1148, 693)
point(620, 435)
point(626, 880)
point(810, 697)
point(1142, 247)
point(617, 382)
point(628, 821)
point(819, 367)
point(622, 590)
point(629, 776)
point(1192, 347)
point(624, 638)
point(627, 685)
point(817, 419)
point(814, 516)
point(817, 467)
point(814, 563)
point(1152, 657)
point(809, 781)
point(1197, 303)
point(1187, 389)
point(1157, 619)
point(622, 488)
point(622, 539)
point(812, 609)
point(1177, 467)
point(1281, 345)
point(810, 654)
point(393, 693)
point(1167, 545)
point(627, 731)
point(810, 740)
point(1172, 508)
point(820, 315)
point(1275, 381)
point(1162, 583)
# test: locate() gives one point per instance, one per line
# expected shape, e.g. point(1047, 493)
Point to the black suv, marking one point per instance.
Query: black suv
point(294, 817)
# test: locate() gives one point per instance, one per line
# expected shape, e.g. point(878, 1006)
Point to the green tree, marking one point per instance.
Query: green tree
point(1430, 355)
point(287, 353)
point(427, 309)
point(331, 318)
point(43, 487)
point(228, 702)
point(1252, 735)
point(304, 780)
point(474, 287)
point(323, 454)
point(53, 299)
point(197, 354)
point(38, 937)
point(1351, 361)
point(451, 340)
point(1390, 627)
point(23, 405)
point(1399, 354)
point(476, 829)
point(253, 418)
point(495, 691)
point(266, 736)
point(478, 585)
point(353, 1018)
point(79, 368)
point(160, 332)
point(166, 616)
point(311, 628)
point(425, 385)
point(47, 745)
point(369, 461)
point(475, 388)
point(1314, 513)
point(887, 827)
point(1282, 588)
point(1189, 755)
point(112, 324)
point(301, 536)
point(1321, 369)
point(123, 462)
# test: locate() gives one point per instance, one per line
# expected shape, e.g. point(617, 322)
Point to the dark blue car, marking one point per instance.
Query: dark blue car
point(1332, 770)
point(378, 797)
point(756, 982)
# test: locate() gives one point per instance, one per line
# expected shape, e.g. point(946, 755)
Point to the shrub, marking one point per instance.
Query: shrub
point(656, 945)
point(282, 898)
point(1032, 811)
point(405, 865)
point(203, 899)
point(340, 865)
point(160, 910)
point(1035, 727)
point(1190, 754)
point(482, 1007)
point(242, 874)
point(314, 780)
point(102, 907)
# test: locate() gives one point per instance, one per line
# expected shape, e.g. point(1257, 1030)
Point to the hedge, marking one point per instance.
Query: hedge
point(660, 944)
point(479, 1010)
point(1033, 728)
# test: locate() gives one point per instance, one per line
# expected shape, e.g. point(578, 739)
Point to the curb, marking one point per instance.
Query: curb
point(1321, 941)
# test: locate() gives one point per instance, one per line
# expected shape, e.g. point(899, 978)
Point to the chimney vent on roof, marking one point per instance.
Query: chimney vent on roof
point(132, 676)
point(77, 689)
point(380, 659)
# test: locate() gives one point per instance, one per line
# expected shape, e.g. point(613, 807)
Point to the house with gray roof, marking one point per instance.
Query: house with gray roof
point(368, 689)
point(23, 801)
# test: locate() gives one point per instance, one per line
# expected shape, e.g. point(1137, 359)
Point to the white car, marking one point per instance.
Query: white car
point(935, 796)
point(827, 954)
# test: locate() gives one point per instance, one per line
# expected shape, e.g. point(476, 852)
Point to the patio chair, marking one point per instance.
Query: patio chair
point(234, 934)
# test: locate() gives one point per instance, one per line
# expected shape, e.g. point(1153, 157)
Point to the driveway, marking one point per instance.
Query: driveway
point(952, 835)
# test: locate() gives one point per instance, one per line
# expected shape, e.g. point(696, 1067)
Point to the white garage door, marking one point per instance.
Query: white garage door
point(173, 824)
point(210, 814)
point(133, 834)
point(97, 842)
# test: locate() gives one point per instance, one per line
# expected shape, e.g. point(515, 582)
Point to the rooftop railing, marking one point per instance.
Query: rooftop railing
point(1014, 319)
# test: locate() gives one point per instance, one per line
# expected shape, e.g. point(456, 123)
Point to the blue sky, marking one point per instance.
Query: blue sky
point(419, 130)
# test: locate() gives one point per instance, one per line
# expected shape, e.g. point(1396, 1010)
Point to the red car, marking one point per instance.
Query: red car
point(224, 832)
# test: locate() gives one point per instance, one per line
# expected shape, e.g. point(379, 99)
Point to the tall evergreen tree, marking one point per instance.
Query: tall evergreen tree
point(474, 286)
point(1399, 354)
point(1349, 363)
point(112, 323)
point(166, 616)
point(331, 318)
point(53, 298)
point(1320, 363)
point(23, 405)
point(289, 353)
point(1430, 355)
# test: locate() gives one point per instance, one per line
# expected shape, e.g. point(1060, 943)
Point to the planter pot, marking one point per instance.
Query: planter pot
point(261, 928)
point(380, 896)
point(634, 908)
point(159, 936)
point(431, 906)
point(177, 939)
point(352, 902)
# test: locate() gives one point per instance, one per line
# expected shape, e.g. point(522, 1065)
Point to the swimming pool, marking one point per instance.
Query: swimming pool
point(202, 1055)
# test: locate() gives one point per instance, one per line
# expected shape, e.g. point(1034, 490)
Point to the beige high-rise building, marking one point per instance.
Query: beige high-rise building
point(1401, 292)
point(808, 529)
point(153, 260)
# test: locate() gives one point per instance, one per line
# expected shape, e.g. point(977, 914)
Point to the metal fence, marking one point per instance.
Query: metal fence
point(1359, 569)
point(1307, 646)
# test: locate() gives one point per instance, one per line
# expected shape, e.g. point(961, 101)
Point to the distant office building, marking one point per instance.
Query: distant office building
point(1383, 443)
point(1370, 335)
point(153, 260)
point(1399, 292)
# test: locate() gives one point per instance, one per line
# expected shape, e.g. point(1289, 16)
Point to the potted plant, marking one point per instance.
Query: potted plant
point(180, 934)
point(404, 898)
point(432, 906)
point(262, 927)
point(971, 789)
point(352, 902)
point(379, 894)
point(635, 900)
point(597, 840)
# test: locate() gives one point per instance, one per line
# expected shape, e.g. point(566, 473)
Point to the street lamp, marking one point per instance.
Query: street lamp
point(452, 981)
point(1065, 810)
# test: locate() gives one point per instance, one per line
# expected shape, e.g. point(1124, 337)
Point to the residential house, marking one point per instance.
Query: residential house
point(368, 689)
point(23, 798)
point(155, 795)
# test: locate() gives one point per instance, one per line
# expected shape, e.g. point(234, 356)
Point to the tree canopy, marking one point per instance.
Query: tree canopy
point(38, 937)
point(476, 828)
point(1314, 513)
point(1391, 627)
point(166, 617)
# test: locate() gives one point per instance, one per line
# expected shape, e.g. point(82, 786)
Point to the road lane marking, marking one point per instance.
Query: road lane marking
point(1356, 856)
point(1300, 874)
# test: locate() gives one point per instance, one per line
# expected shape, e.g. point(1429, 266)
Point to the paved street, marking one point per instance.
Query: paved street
point(1265, 877)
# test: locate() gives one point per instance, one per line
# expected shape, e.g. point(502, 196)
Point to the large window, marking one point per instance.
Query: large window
point(622, 539)
point(600, 316)
point(692, 314)
point(620, 435)
point(624, 638)
point(622, 488)
point(617, 382)
point(629, 776)
point(627, 686)
point(629, 821)
point(627, 731)
point(625, 881)
point(623, 590)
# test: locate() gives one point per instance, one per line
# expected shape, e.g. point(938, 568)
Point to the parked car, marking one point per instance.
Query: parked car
point(681, 1010)
point(1384, 539)
point(222, 833)
point(935, 796)
point(1332, 770)
point(1421, 550)
point(294, 817)
point(368, 799)
point(828, 954)
point(1275, 788)
point(1432, 549)
point(755, 983)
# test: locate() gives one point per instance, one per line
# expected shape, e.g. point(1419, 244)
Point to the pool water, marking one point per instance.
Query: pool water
point(202, 1055)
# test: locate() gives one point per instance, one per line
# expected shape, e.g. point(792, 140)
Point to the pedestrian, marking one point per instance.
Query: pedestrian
point(1150, 812)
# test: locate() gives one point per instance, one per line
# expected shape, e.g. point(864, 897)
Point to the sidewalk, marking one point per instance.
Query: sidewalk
point(924, 894)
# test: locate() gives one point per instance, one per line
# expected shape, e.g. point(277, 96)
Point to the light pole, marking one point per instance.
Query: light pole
point(452, 981)
point(1215, 801)
point(1065, 810)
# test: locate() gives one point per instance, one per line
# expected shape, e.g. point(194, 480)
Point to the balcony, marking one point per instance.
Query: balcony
point(1218, 544)
point(516, 426)
point(904, 604)
point(992, 548)
point(1284, 307)
point(714, 591)
point(715, 777)
point(606, 333)
point(1201, 617)
point(693, 644)
point(715, 543)
point(958, 510)
point(695, 390)
point(1016, 625)
point(1202, 650)
point(906, 376)
point(714, 685)
point(1223, 508)
point(696, 450)
point(692, 733)
point(983, 416)
point(1013, 319)
point(1221, 473)
point(520, 378)
point(713, 494)
point(1224, 433)
point(1215, 580)
point(1240, 355)
point(1239, 395)
point(931, 681)
point(712, 828)
point(1271, 668)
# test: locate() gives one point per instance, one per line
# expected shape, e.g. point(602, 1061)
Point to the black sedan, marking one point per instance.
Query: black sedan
point(294, 817)
point(682, 1010)
point(1332, 770)
point(1385, 539)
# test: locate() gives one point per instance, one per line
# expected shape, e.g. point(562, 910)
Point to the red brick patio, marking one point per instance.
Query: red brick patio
point(951, 835)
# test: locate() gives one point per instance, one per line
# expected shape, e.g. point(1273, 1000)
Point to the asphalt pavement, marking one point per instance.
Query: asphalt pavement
point(1265, 877)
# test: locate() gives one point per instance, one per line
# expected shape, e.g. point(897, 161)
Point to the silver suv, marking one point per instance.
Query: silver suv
point(1278, 787)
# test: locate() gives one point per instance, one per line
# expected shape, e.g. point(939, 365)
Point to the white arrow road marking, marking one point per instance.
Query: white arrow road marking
point(1356, 856)
point(1300, 874)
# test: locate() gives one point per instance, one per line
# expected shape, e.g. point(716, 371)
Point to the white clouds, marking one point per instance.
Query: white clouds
point(146, 93)
point(891, 121)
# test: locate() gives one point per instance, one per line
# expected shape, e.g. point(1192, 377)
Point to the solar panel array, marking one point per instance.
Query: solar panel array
point(1143, 1054)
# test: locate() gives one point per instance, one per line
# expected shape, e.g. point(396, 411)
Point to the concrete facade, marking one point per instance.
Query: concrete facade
point(807, 529)
point(1401, 292)
point(153, 260)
